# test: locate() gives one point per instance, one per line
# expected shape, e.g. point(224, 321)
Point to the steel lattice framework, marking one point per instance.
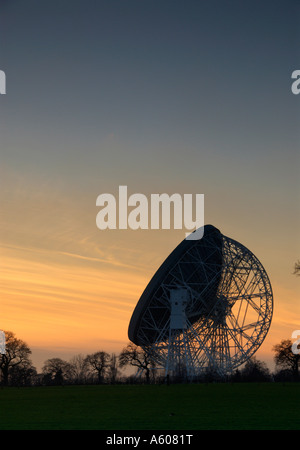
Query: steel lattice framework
point(209, 310)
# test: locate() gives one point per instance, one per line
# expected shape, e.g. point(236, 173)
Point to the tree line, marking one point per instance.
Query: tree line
point(16, 368)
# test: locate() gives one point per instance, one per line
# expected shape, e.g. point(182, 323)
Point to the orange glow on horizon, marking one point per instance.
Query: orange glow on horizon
point(70, 305)
point(66, 304)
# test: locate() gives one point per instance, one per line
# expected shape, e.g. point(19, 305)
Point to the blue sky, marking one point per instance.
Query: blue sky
point(128, 91)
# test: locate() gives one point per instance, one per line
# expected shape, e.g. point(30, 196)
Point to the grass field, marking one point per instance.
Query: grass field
point(265, 406)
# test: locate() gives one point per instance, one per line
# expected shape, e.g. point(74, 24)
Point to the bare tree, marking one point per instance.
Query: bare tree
point(16, 354)
point(297, 268)
point(137, 357)
point(112, 368)
point(78, 368)
point(56, 370)
point(23, 374)
point(285, 358)
point(97, 363)
point(255, 370)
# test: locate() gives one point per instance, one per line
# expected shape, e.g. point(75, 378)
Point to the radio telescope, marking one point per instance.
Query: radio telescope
point(208, 308)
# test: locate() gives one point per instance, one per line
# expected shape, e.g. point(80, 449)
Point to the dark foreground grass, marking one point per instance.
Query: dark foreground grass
point(266, 406)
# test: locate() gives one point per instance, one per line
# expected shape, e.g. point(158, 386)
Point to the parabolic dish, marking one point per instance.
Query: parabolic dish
point(208, 307)
point(194, 265)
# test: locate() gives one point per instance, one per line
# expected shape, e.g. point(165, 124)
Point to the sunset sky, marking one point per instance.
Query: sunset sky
point(158, 95)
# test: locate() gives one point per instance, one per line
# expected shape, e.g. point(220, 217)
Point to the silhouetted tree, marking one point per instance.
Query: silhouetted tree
point(236, 376)
point(137, 357)
point(23, 374)
point(255, 370)
point(297, 268)
point(78, 368)
point(97, 363)
point(286, 359)
point(56, 371)
point(112, 368)
point(16, 354)
point(283, 375)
